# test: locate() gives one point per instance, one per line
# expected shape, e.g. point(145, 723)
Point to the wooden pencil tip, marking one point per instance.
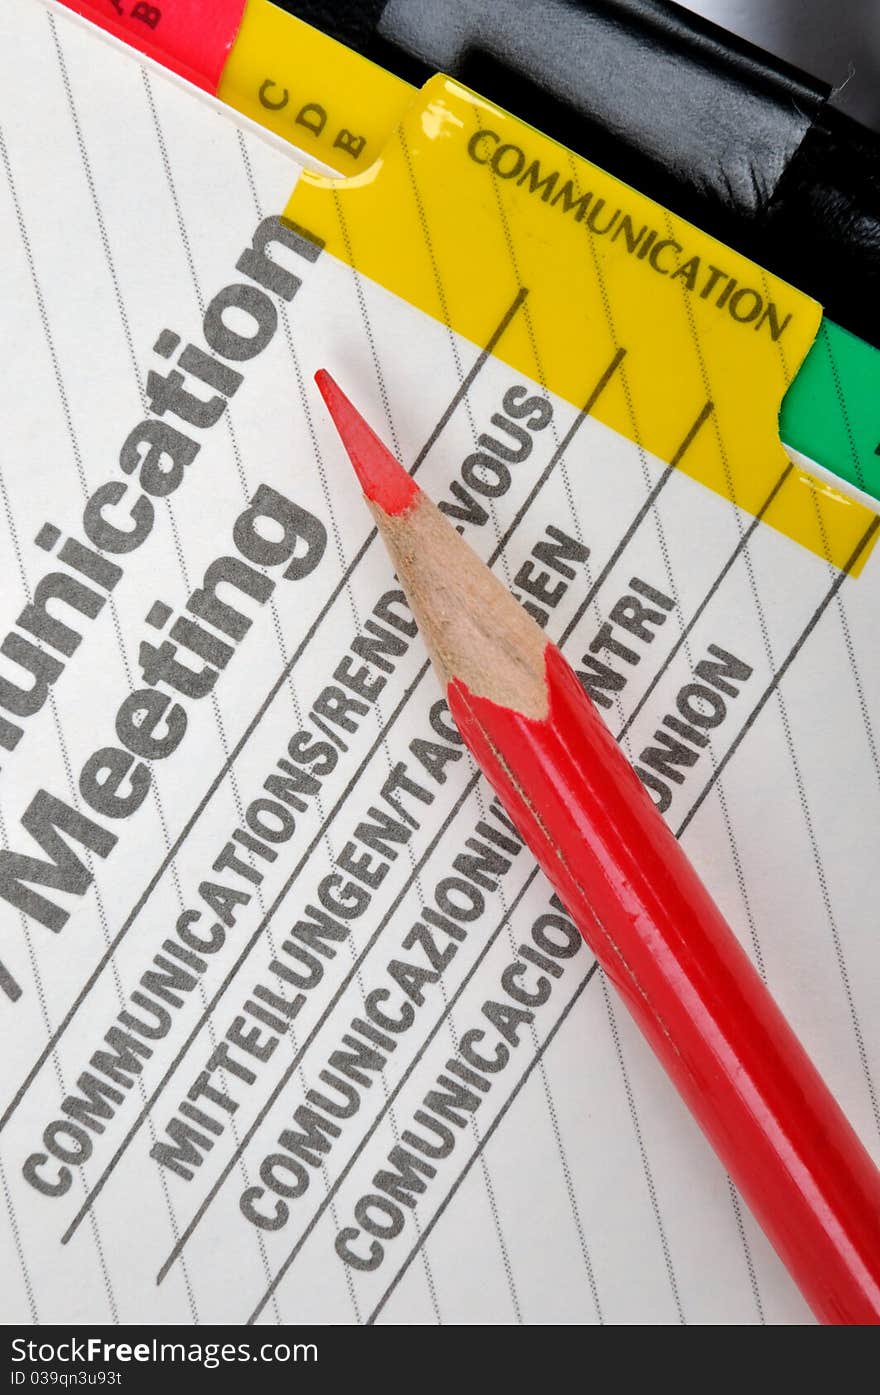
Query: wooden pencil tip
point(382, 478)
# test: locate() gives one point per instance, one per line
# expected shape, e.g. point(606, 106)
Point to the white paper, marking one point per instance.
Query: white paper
point(579, 1190)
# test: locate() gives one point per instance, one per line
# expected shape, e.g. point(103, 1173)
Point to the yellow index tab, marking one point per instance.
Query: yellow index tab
point(326, 99)
point(466, 205)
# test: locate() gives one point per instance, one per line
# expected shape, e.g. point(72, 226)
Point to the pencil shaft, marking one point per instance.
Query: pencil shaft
point(690, 987)
point(635, 898)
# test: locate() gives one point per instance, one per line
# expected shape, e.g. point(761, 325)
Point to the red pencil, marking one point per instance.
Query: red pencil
point(635, 897)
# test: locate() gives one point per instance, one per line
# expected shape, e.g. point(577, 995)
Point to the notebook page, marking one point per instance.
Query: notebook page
point(228, 1020)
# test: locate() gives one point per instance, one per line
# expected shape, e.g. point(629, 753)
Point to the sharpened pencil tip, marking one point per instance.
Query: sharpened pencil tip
point(382, 478)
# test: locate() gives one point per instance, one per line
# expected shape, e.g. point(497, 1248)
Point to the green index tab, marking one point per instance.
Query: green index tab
point(831, 412)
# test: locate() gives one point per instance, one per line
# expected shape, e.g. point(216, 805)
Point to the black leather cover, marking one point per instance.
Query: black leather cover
point(717, 130)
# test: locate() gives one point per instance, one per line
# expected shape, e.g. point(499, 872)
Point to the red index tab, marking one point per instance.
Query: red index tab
point(190, 37)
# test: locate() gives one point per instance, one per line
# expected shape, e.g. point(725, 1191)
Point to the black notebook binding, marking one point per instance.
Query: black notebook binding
point(722, 133)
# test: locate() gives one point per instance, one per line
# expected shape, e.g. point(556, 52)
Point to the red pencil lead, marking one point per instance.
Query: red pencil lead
point(382, 478)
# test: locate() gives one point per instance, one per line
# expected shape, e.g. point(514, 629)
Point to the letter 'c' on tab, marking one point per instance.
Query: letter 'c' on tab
point(654, 256)
point(474, 142)
point(267, 101)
